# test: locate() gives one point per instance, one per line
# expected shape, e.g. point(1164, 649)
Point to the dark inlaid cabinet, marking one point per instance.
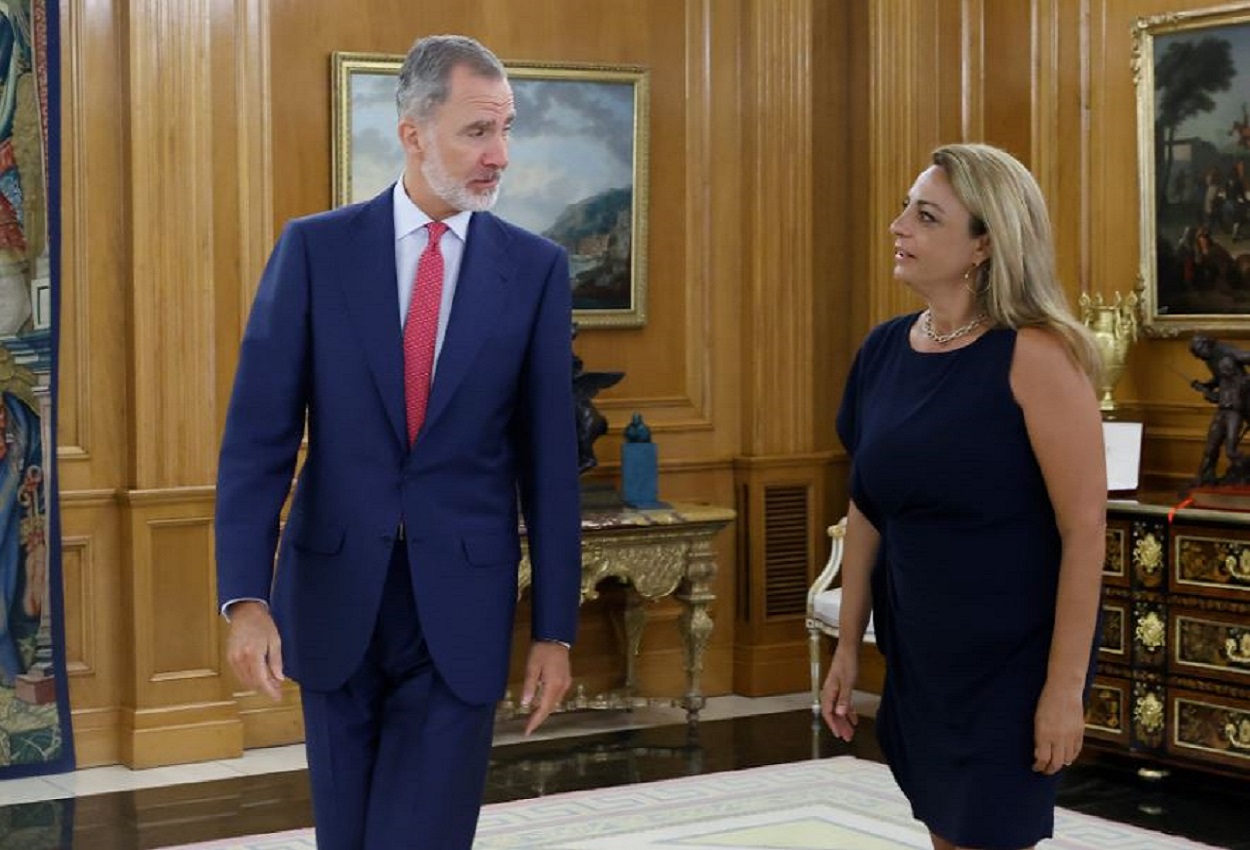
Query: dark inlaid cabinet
point(1173, 681)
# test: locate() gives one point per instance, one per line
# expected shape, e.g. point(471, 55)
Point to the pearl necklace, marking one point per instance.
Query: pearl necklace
point(926, 325)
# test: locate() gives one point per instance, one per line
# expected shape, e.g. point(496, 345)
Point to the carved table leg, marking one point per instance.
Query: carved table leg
point(695, 623)
point(635, 618)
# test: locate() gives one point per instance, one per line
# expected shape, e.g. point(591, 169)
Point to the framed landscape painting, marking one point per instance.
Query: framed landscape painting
point(577, 173)
point(1192, 72)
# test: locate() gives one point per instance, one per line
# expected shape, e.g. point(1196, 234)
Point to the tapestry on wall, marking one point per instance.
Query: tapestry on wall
point(34, 697)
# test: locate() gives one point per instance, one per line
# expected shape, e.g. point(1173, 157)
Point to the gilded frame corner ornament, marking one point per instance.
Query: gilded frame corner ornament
point(1169, 300)
point(605, 145)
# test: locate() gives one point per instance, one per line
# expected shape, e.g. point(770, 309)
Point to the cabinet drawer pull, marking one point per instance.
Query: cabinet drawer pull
point(1238, 649)
point(1148, 712)
point(1239, 568)
point(1148, 553)
point(1150, 632)
point(1239, 734)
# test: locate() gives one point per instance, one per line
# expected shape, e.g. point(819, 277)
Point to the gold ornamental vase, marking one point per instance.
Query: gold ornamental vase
point(1114, 327)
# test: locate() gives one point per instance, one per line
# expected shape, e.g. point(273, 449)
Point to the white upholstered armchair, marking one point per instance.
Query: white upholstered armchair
point(824, 605)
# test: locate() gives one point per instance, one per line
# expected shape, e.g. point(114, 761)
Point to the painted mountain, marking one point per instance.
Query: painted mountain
point(597, 234)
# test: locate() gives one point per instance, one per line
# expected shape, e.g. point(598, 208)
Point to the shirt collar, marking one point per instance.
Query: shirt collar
point(410, 218)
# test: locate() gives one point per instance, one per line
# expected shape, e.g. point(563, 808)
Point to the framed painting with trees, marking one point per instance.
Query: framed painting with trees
point(1192, 71)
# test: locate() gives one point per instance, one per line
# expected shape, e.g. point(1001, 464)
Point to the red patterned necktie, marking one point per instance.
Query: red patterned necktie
point(421, 329)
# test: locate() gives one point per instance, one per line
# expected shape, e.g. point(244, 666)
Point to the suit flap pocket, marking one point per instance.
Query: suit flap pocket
point(316, 537)
point(483, 550)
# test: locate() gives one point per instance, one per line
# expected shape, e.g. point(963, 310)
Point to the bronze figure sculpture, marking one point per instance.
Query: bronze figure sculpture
point(591, 424)
point(1228, 389)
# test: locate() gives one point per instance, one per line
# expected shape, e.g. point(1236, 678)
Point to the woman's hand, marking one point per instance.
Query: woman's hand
point(835, 694)
point(1058, 728)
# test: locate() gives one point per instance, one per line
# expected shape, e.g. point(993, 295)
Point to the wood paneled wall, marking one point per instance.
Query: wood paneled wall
point(783, 133)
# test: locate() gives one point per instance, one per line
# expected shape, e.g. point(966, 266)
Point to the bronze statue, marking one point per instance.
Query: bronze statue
point(591, 424)
point(1229, 390)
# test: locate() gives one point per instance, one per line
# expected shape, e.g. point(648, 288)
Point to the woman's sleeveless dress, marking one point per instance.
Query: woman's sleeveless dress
point(965, 583)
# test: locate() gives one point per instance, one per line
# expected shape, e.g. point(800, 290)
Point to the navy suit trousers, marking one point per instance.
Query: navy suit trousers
point(396, 760)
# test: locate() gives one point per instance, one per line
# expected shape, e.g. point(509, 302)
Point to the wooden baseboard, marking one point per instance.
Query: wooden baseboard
point(273, 724)
point(157, 737)
point(770, 669)
point(96, 738)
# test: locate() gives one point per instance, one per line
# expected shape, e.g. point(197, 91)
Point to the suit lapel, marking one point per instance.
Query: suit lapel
point(479, 296)
point(369, 288)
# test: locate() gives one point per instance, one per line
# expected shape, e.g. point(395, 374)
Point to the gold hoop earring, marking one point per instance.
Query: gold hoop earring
point(968, 276)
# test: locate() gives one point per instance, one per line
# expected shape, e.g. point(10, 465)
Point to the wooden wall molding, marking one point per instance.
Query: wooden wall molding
point(88, 498)
point(972, 77)
point(803, 460)
point(92, 393)
point(78, 569)
point(172, 135)
point(253, 117)
point(902, 47)
point(74, 405)
point(167, 496)
point(186, 733)
point(178, 704)
point(249, 215)
point(97, 634)
point(777, 377)
point(700, 256)
point(1045, 127)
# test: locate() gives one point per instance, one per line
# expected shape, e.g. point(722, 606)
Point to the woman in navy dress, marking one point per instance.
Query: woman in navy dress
point(976, 529)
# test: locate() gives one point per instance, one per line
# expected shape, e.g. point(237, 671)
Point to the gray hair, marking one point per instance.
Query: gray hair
point(424, 79)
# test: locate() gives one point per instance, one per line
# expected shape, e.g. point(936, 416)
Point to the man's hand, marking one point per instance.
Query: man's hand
point(254, 649)
point(547, 675)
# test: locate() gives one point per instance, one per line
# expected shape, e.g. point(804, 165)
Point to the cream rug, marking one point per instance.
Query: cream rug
point(841, 803)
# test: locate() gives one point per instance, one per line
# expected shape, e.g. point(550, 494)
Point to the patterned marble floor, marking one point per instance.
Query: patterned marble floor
point(267, 790)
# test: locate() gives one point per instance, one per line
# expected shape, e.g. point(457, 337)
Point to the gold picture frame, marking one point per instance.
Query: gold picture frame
point(1191, 70)
point(578, 170)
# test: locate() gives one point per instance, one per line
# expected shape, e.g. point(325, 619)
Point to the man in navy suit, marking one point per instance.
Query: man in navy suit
point(394, 594)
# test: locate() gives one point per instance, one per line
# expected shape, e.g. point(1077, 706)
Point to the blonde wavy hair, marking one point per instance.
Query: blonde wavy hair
point(1016, 286)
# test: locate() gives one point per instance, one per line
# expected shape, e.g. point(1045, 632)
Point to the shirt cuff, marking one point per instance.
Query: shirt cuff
point(226, 606)
point(562, 643)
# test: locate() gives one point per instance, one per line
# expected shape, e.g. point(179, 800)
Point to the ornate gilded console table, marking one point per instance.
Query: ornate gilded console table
point(1173, 681)
point(656, 553)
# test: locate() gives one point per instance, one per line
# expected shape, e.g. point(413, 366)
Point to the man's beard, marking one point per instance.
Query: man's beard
point(454, 193)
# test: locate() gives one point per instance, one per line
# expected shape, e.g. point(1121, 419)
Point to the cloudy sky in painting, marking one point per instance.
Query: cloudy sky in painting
point(571, 140)
point(377, 158)
point(1214, 126)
